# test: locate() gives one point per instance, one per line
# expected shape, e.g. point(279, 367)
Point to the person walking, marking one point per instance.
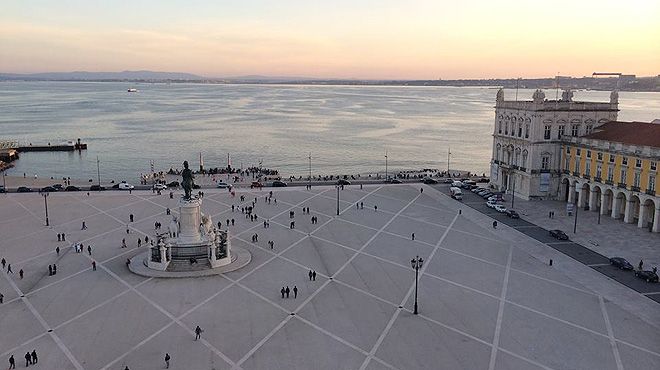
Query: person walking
point(282, 291)
point(494, 224)
point(12, 362)
point(63, 237)
point(130, 217)
point(84, 226)
point(167, 360)
point(89, 249)
point(310, 275)
point(50, 270)
point(287, 291)
point(54, 269)
point(59, 237)
point(295, 292)
point(21, 273)
point(198, 332)
point(641, 265)
point(93, 265)
point(413, 236)
point(34, 357)
point(57, 251)
point(2, 297)
point(314, 275)
point(28, 359)
point(4, 263)
point(9, 271)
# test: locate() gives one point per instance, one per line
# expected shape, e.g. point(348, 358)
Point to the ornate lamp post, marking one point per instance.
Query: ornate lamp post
point(338, 188)
point(45, 195)
point(416, 265)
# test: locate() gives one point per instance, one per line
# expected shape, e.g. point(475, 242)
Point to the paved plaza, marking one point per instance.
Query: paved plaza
point(487, 298)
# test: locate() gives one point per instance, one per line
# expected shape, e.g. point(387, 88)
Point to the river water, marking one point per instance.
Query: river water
point(347, 129)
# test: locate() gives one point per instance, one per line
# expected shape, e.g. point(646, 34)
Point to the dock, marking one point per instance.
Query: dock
point(14, 148)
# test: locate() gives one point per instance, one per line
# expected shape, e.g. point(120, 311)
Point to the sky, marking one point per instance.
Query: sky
point(367, 39)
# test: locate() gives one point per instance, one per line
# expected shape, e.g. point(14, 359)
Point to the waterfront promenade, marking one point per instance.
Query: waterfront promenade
point(485, 300)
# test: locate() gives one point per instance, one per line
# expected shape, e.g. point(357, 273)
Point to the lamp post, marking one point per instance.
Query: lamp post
point(386, 177)
point(98, 171)
point(338, 187)
point(45, 195)
point(576, 212)
point(513, 191)
point(310, 170)
point(416, 265)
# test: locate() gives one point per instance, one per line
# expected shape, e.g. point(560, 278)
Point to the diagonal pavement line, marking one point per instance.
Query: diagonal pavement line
point(500, 312)
point(398, 311)
point(23, 344)
point(43, 323)
point(610, 333)
point(525, 359)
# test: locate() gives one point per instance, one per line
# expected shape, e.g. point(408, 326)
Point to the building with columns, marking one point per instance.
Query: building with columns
point(527, 140)
point(614, 171)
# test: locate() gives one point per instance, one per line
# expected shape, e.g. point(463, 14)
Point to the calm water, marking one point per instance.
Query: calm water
point(346, 128)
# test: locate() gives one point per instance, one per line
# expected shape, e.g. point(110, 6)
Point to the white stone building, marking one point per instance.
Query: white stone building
point(526, 157)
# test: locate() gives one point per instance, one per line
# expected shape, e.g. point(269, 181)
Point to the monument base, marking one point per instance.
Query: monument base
point(239, 258)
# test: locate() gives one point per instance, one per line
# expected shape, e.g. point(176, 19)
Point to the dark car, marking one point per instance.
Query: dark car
point(59, 187)
point(511, 213)
point(649, 276)
point(279, 184)
point(195, 186)
point(621, 263)
point(48, 189)
point(429, 181)
point(2, 189)
point(23, 189)
point(115, 186)
point(173, 184)
point(72, 188)
point(448, 181)
point(393, 181)
point(96, 188)
point(343, 182)
point(558, 234)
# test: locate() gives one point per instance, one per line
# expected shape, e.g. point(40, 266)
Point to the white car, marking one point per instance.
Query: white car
point(223, 185)
point(126, 186)
point(160, 186)
point(491, 204)
point(500, 208)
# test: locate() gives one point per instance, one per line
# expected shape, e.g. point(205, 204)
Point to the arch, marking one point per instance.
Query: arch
point(525, 154)
point(619, 205)
point(584, 194)
point(647, 214)
point(595, 198)
point(607, 199)
point(588, 120)
point(632, 213)
point(564, 189)
point(561, 121)
point(576, 120)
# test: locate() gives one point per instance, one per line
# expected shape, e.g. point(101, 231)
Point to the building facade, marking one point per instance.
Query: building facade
point(614, 171)
point(527, 140)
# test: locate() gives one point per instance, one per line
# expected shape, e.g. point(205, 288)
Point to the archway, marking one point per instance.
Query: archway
point(583, 200)
point(647, 214)
point(633, 212)
point(607, 200)
point(619, 205)
point(564, 189)
point(595, 198)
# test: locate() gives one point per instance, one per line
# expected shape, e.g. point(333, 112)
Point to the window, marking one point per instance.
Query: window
point(545, 162)
point(560, 132)
point(577, 165)
point(636, 179)
point(612, 158)
point(654, 165)
point(506, 128)
point(520, 130)
point(567, 163)
point(622, 179)
point(638, 163)
point(578, 151)
point(651, 183)
point(497, 153)
point(624, 161)
point(568, 150)
point(546, 135)
point(575, 130)
point(499, 128)
point(599, 156)
point(524, 159)
point(590, 128)
point(610, 173)
point(587, 168)
point(588, 153)
point(599, 171)
point(527, 131)
point(517, 157)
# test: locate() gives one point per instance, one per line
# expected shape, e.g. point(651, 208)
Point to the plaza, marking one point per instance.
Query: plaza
point(487, 297)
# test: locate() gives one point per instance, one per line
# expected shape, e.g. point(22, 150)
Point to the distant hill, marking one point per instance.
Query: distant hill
point(98, 76)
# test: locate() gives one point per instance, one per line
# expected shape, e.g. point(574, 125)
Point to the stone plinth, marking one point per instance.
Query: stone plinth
point(190, 217)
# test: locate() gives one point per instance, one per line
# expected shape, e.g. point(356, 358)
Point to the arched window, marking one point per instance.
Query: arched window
point(498, 152)
point(524, 159)
point(517, 157)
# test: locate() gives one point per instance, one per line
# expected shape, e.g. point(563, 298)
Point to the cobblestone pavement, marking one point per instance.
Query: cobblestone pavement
point(486, 299)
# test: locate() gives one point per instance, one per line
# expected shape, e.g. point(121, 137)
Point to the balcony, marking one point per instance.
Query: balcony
point(598, 179)
point(621, 185)
point(650, 191)
point(634, 188)
point(586, 176)
point(609, 182)
point(523, 169)
point(566, 172)
point(576, 174)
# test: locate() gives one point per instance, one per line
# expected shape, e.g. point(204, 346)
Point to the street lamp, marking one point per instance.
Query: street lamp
point(416, 265)
point(45, 195)
point(310, 170)
point(98, 171)
point(386, 177)
point(338, 187)
point(577, 206)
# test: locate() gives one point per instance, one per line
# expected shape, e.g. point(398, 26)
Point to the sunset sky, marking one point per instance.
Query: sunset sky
point(405, 39)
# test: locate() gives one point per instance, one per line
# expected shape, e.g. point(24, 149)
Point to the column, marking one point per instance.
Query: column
point(581, 200)
point(571, 193)
point(628, 215)
point(604, 204)
point(656, 220)
point(616, 206)
point(593, 201)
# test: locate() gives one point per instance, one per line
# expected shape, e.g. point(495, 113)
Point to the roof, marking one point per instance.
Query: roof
point(632, 133)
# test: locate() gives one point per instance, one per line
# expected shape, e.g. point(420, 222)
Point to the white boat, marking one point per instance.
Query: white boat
point(132, 90)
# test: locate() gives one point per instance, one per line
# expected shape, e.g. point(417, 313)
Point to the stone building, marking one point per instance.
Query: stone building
point(527, 140)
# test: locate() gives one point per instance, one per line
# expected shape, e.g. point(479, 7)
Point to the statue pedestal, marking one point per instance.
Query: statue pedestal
point(190, 217)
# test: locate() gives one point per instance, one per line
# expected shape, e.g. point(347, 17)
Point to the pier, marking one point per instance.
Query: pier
point(15, 147)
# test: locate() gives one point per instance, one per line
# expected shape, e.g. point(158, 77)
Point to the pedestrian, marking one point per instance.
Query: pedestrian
point(123, 243)
point(655, 271)
point(12, 362)
point(54, 269)
point(310, 275)
point(167, 360)
point(139, 242)
point(641, 265)
point(9, 271)
point(282, 291)
point(89, 249)
point(292, 225)
point(63, 237)
point(128, 231)
point(550, 214)
point(93, 265)
point(59, 237)
point(232, 222)
point(421, 190)
point(28, 359)
point(232, 208)
point(4, 262)
point(84, 226)
point(2, 297)
point(34, 356)
point(50, 270)
point(413, 236)
point(357, 206)
point(494, 224)
point(295, 292)
point(198, 332)
point(167, 211)
point(57, 251)
point(287, 290)
point(130, 217)
point(361, 205)
point(375, 208)
point(21, 273)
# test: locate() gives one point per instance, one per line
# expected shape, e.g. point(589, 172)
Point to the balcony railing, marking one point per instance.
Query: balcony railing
point(650, 191)
point(621, 185)
point(609, 182)
point(634, 188)
point(586, 176)
point(598, 179)
point(576, 174)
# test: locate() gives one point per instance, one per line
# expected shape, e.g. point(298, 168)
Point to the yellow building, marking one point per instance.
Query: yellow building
point(614, 170)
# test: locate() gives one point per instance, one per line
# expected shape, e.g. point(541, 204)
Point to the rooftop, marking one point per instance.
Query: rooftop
point(632, 133)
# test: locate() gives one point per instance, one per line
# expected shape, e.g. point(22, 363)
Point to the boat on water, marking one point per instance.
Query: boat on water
point(132, 90)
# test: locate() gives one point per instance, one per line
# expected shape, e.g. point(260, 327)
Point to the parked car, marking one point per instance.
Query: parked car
point(621, 263)
point(223, 185)
point(483, 179)
point(393, 181)
point(649, 276)
point(196, 186)
point(476, 189)
point(2, 189)
point(72, 188)
point(48, 189)
point(256, 184)
point(160, 187)
point(511, 213)
point(490, 204)
point(558, 234)
point(96, 188)
point(429, 181)
point(57, 186)
point(482, 192)
point(173, 184)
point(487, 195)
point(343, 182)
point(448, 181)
point(500, 208)
point(126, 186)
point(279, 184)
point(23, 189)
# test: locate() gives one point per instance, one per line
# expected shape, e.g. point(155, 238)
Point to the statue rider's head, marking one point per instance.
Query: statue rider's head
point(185, 164)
